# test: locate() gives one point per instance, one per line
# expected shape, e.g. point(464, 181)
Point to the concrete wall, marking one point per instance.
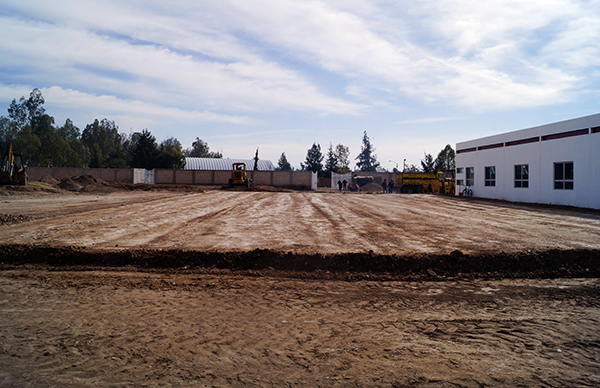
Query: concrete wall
point(204, 177)
point(181, 177)
point(576, 141)
point(107, 174)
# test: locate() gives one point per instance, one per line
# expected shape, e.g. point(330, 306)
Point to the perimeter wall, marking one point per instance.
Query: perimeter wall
point(180, 177)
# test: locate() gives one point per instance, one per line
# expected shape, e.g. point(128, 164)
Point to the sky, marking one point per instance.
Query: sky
point(280, 75)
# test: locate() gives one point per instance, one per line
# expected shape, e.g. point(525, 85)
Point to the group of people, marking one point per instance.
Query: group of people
point(342, 184)
point(388, 187)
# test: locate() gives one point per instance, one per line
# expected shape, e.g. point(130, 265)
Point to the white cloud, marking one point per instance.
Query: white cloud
point(154, 73)
point(483, 61)
point(67, 98)
point(239, 62)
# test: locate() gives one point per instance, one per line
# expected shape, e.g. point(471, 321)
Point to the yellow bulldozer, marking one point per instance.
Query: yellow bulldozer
point(425, 182)
point(13, 170)
point(239, 176)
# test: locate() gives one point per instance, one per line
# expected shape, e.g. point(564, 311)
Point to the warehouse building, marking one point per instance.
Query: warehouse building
point(557, 163)
point(224, 164)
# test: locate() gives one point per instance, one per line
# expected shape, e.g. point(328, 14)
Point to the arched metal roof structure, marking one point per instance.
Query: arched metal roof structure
point(224, 164)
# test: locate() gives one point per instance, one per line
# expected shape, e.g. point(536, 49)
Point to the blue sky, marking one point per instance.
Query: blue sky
point(282, 74)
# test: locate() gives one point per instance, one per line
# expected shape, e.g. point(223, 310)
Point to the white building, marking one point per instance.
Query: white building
point(556, 163)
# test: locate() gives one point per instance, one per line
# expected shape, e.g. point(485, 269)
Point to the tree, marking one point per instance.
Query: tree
point(27, 143)
point(200, 149)
point(18, 113)
point(367, 160)
point(8, 129)
point(427, 163)
point(331, 162)
point(342, 155)
point(104, 142)
point(69, 131)
point(145, 152)
point(171, 155)
point(412, 168)
point(27, 110)
point(283, 164)
point(314, 157)
point(445, 160)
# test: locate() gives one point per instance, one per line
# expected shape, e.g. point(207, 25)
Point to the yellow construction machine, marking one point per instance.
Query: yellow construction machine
point(13, 170)
point(238, 175)
point(425, 182)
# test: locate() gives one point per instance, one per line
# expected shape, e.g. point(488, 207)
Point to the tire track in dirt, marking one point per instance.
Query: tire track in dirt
point(383, 219)
point(359, 231)
point(184, 219)
point(345, 229)
point(121, 224)
point(241, 212)
point(313, 223)
point(176, 234)
point(477, 224)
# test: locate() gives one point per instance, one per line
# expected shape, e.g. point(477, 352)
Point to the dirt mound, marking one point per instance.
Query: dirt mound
point(372, 188)
point(12, 218)
point(50, 180)
point(352, 266)
point(31, 187)
point(86, 184)
point(69, 184)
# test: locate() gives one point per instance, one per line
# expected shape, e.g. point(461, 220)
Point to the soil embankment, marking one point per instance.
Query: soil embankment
point(348, 266)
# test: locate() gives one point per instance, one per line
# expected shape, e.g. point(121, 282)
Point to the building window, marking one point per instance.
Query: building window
point(490, 176)
point(522, 175)
point(470, 176)
point(460, 182)
point(563, 176)
point(459, 170)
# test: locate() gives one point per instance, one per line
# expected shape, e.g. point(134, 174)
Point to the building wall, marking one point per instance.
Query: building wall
point(181, 177)
point(576, 141)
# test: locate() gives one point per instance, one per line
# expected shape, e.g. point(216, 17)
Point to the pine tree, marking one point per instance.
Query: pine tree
point(445, 160)
point(314, 157)
point(367, 160)
point(427, 163)
point(331, 163)
point(283, 164)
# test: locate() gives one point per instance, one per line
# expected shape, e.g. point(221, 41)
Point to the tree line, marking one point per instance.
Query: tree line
point(337, 160)
point(99, 145)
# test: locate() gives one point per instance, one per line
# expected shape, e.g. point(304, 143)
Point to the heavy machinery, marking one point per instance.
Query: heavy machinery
point(425, 182)
point(238, 175)
point(13, 170)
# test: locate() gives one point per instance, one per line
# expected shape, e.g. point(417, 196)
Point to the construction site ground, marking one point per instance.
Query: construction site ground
point(209, 287)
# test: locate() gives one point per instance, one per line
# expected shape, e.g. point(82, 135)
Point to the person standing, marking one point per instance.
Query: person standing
point(340, 185)
point(344, 183)
point(384, 185)
point(391, 186)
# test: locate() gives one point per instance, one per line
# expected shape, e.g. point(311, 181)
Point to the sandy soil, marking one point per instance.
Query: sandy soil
point(297, 221)
point(125, 329)
point(85, 299)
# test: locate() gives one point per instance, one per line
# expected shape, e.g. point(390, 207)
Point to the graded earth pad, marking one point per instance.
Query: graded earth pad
point(296, 222)
point(250, 289)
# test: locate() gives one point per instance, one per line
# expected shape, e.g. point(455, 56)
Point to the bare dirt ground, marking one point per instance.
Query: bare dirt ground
point(249, 289)
point(299, 222)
